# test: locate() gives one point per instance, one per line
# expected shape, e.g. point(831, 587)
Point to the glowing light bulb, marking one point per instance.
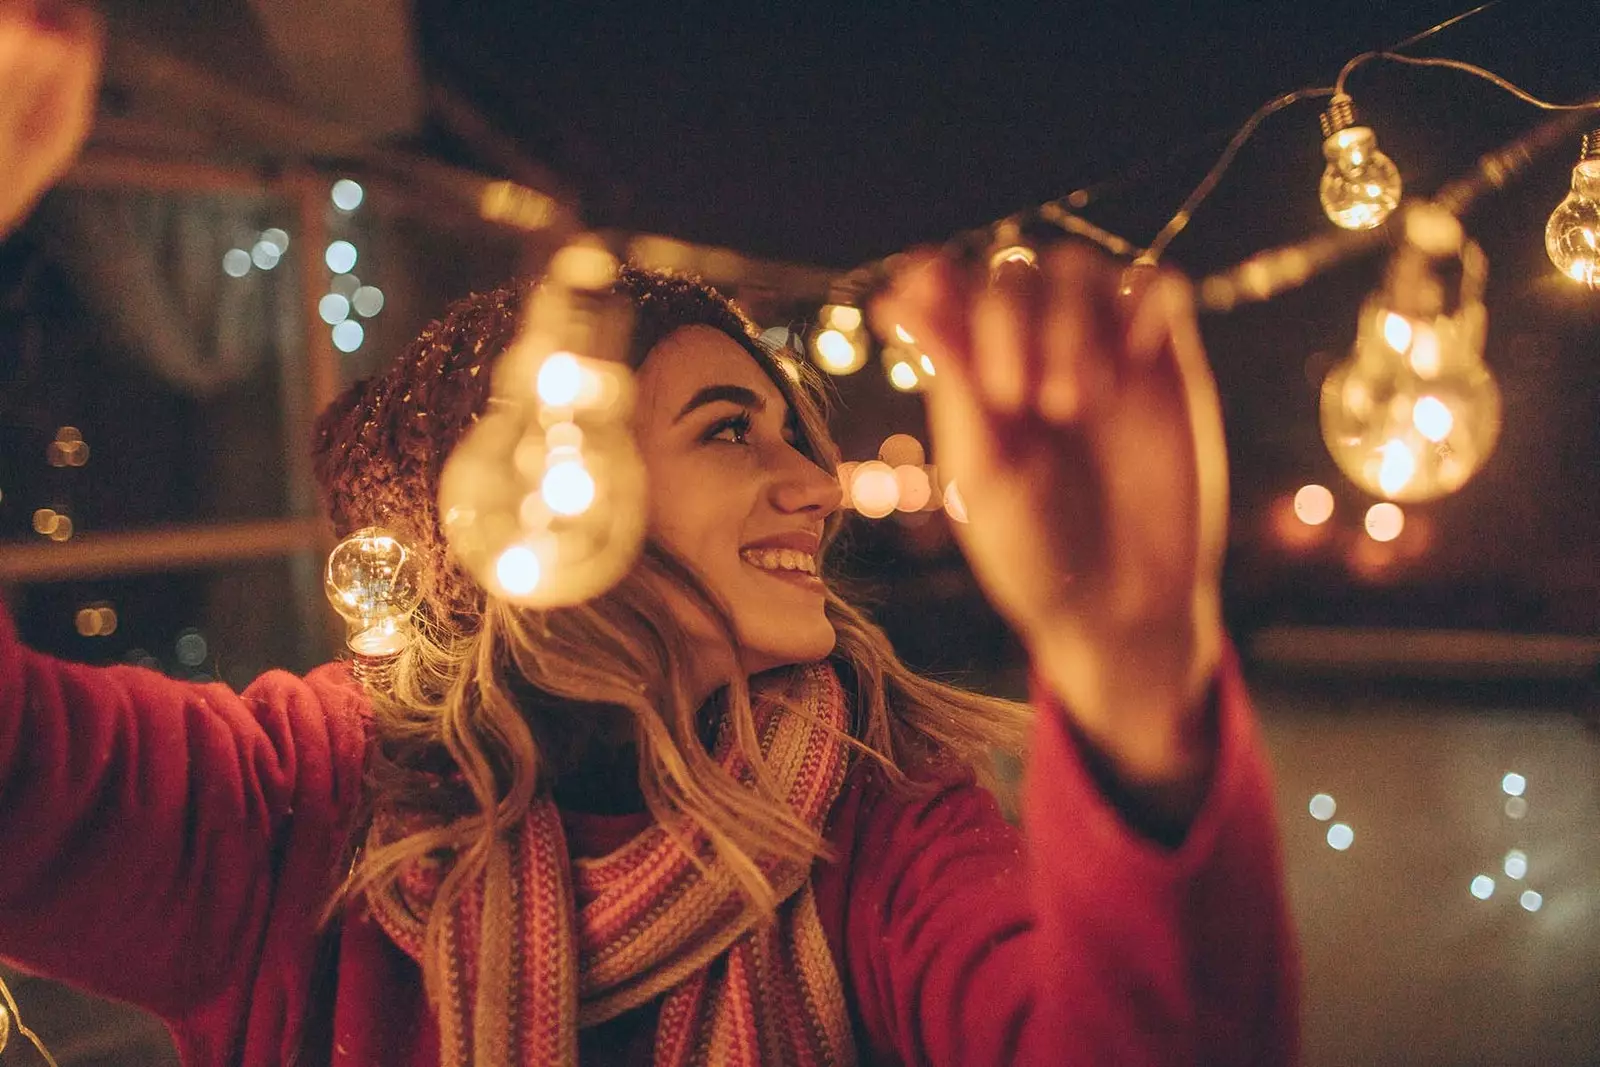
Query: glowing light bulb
point(1313, 504)
point(1572, 236)
point(1361, 186)
point(1384, 521)
point(543, 500)
point(374, 581)
point(1413, 413)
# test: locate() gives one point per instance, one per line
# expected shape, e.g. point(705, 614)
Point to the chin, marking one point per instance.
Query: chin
point(789, 648)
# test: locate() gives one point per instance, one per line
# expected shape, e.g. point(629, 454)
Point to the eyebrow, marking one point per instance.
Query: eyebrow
point(735, 394)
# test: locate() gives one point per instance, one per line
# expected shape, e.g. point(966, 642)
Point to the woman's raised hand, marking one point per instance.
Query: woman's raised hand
point(49, 72)
point(1074, 408)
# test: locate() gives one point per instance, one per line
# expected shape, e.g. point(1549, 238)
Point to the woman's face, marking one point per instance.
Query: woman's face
point(731, 494)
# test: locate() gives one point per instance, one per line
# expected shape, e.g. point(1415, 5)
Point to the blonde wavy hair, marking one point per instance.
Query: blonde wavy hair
point(493, 703)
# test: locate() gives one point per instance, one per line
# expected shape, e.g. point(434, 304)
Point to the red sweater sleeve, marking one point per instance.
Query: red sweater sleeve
point(1079, 942)
point(151, 828)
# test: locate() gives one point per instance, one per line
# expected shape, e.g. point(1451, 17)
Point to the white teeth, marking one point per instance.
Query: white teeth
point(781, 559)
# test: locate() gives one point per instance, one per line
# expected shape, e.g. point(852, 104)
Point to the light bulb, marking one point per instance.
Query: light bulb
point(1572, 236)
point(543, 501)
point(374, 580)
point(1413, 412)
point(1360, 186)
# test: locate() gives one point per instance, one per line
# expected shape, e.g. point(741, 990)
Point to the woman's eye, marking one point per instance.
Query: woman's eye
point(735, 429)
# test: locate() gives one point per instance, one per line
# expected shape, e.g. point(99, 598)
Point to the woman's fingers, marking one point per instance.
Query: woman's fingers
point(1080, 354)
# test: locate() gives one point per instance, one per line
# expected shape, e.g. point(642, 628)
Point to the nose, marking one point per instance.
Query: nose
point(804, 487)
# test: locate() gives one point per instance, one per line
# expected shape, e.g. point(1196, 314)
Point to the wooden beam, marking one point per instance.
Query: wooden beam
point(166, 548)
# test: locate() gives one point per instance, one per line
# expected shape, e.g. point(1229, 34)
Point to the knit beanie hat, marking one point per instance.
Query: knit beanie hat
point(378, 450)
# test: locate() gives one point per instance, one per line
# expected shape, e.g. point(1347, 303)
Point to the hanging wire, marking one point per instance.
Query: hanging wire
point(1488, 76)
point(1181, 217)
point(16, 1019)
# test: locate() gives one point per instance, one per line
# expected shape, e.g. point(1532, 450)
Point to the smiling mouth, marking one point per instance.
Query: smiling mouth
point(787, 564)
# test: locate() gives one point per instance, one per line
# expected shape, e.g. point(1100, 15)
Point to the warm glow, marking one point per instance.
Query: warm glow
point(1313, 504)
point(1013, 254)
point(927, 365)
point(517, 570)
point(954, 505)
point(844, 317)
point(1340, 837)
point(901, 448)
point(846, 472)
point(1385, 521)
point(1425, 352)
point(837, 352)
point(874, 489)
point(902, 376)
point(1396, 331)
point(1432, 418)
point(1397, 467)
point(560, 380)
point(915, 489)
point(1322, 807)
point(568, 488)
point(904, 335)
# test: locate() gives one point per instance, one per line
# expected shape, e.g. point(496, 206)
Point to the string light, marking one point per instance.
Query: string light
point(840, 344)
point(1313, 504)
point(1384, 521)
point(543, 500)
point(1572, 236)
point(374, 581)
point(10, 1016)
point(1360, 186)
point(1413, 413)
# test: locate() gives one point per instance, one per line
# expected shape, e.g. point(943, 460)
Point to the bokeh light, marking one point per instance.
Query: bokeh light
point(1384, 521)
point(347, 194)
point(340, 257)
point(1313, 504)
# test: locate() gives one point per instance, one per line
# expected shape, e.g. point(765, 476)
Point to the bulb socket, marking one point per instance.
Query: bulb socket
point(1341, 115)
point(1591, 147)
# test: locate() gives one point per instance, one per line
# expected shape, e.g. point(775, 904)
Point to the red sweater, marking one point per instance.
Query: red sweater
point(172, 844)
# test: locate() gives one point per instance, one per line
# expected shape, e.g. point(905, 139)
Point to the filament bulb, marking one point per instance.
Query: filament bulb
point(374, 581)
point(1360, 186)
point(1572, 236)
point(1413, 412)
point(543, 501)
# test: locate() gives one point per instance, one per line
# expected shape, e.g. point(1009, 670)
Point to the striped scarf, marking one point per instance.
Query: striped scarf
point(541, 945)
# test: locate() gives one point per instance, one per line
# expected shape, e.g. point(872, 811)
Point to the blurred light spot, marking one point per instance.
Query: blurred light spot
point(1313, 504)
point(1483, 887)
point(265, 255)
point(1425, 352)
point(1322, 807)
point(1516, 808)
point(517, 570)
point(368, 301)
point(560, 380)
point(347, 195)
point(1432, 419)
point(1516, 864)
point(236, 263)
point(1385, 521)
point(777, 336)
point(844, 317)
point(904, 334)
point(1397, 467)
point(914, 487)
point(346, 285)
point(277, 238)
point(333, 308)
point(190, 648)
point(96, 620)
point(1530, 900)
point(348, 335)
point(874, 489)
point(846, 472)
point(1340, 836)
point(901, 448)
point(927, 365)
point(903, 376)
point(62, 530)
point(1397, 331)
point(1013, 254)
point(568, 488)
point(1514, 784)
point(45, 520)
point(954, 505)
point(340, 257)
point(837, 353)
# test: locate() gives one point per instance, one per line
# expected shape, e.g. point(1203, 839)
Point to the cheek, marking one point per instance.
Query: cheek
point(697, 518)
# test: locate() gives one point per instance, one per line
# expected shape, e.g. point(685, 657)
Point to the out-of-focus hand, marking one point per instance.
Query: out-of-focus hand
point(1075, 411)
point(49, 72)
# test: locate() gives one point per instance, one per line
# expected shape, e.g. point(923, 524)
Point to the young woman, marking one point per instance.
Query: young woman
point(709, 817)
